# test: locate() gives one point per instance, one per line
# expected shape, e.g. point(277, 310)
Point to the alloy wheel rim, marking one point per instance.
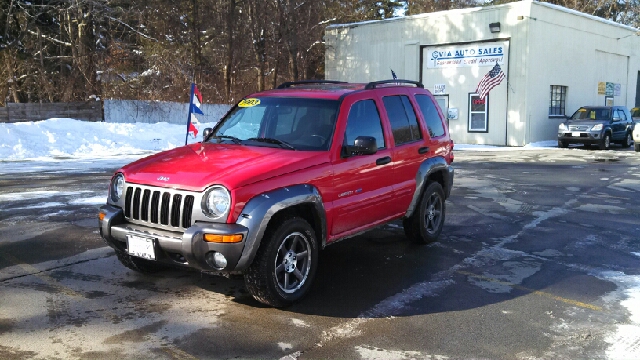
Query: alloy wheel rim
point(433, 214)
point(293, 262)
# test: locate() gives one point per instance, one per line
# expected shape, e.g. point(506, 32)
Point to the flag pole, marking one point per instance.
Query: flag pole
point(186, 138)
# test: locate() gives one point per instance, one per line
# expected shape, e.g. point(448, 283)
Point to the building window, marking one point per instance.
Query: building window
point(478, 113)
point(558, 100)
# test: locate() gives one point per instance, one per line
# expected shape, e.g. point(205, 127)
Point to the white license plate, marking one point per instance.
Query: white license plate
point(141, 247)
point(577, 134)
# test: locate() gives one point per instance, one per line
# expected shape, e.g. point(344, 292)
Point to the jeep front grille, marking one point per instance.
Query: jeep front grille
point(157, 207)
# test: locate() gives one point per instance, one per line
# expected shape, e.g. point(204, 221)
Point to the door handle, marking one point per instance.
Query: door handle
point(383, 161)
point(423, 150)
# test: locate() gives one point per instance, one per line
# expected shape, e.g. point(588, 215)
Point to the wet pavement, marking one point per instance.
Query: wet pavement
point(539, 258)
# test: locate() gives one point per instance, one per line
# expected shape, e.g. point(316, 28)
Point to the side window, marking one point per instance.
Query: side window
point(364, 120)
point(622, 115)
point(430, 113)
point(404, 123)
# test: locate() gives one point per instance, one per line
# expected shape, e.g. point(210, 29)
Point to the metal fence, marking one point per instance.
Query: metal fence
point(18, 112)
point(139, 111)
point(115, 111)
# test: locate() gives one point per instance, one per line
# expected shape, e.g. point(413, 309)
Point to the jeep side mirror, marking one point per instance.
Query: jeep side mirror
point(205, 133)
point(363, 145)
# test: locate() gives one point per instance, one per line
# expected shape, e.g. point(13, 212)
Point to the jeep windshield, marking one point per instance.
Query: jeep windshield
point(592, 114)
point(287, 123)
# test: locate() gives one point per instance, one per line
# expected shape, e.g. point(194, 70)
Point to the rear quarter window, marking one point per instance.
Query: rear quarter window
point(431, 116)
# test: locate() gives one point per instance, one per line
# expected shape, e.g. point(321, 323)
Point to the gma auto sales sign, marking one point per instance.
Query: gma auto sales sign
point(465, 56)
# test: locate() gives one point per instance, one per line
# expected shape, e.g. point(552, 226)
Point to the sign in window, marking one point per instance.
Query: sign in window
point(478, 113)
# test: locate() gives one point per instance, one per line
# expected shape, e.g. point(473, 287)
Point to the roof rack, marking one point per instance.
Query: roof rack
point(289, 84)
point(374, 84)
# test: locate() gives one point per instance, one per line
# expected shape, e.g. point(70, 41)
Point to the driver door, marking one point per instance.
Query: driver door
point(364, 184)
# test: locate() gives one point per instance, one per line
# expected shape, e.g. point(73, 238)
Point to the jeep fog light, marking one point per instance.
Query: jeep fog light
point(216, 260)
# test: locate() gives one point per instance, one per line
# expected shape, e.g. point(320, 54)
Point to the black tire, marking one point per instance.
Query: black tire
point(138, 264)
point(628, 139)
point(289, 248)
point(637, 147)
point(426, 224)
point(562, 144)
point(605, 142)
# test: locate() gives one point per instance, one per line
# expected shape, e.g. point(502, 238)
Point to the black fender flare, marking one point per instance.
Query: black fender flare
point(258, 211)
point(426, 169)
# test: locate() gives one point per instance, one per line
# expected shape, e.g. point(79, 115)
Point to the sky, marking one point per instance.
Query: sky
point(68, 144)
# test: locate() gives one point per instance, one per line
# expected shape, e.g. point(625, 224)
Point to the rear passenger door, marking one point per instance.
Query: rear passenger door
point(619, 125)
point(410, 145)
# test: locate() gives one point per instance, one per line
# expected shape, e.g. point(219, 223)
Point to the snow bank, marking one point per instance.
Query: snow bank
point(69, 138)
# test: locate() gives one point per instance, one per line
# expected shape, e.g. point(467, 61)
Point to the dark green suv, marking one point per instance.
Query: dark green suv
point(597, 125)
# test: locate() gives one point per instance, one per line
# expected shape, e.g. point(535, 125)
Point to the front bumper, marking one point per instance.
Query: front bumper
point(580, 137)
point(175, 248)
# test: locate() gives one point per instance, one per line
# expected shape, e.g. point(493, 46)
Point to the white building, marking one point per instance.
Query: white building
point(555, 60)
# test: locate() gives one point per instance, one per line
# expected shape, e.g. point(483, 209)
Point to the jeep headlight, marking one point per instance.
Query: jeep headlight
point(597, 127)
point(216, 202)
point(562, 127)
point(117, 187)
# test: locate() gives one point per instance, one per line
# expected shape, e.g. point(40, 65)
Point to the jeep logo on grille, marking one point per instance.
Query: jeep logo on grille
point(163, 178)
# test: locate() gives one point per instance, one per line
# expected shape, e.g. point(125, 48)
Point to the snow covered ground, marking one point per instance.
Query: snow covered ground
point(67, 144)
point(58, 144)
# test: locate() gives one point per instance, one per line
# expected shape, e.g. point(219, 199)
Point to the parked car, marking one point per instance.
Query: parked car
point(597, 125)
point(635, 114)
point(285, 173)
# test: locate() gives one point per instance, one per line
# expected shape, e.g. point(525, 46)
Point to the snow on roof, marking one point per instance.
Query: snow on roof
point(485, 8)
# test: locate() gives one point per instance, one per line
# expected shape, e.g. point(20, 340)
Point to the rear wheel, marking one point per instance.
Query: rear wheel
point(138, 264)
point(637, 147)
point(627, 140)
point(285, 264)
point(425, 225)
point(605, 143)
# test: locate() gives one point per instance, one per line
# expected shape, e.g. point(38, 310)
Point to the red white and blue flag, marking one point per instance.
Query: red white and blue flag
point(195, 101)
point(492, 79)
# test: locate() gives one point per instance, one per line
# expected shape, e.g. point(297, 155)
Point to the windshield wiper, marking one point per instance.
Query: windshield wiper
point(228, 137)
point(283, 144)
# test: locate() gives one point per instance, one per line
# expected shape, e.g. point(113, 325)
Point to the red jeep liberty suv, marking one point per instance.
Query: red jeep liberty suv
point(285, 173)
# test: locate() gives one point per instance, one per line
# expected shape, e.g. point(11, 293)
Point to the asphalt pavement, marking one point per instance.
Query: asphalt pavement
point(538, 259)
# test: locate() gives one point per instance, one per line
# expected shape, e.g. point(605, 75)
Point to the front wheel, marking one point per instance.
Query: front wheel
point(426, 224)
point(637, 147)
point(562, 144)
point(605, 143)
point(285, 264)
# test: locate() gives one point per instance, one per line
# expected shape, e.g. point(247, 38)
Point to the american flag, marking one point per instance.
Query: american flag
point(489, 81)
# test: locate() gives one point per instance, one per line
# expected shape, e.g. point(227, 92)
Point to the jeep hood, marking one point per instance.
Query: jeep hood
point(195, 167)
